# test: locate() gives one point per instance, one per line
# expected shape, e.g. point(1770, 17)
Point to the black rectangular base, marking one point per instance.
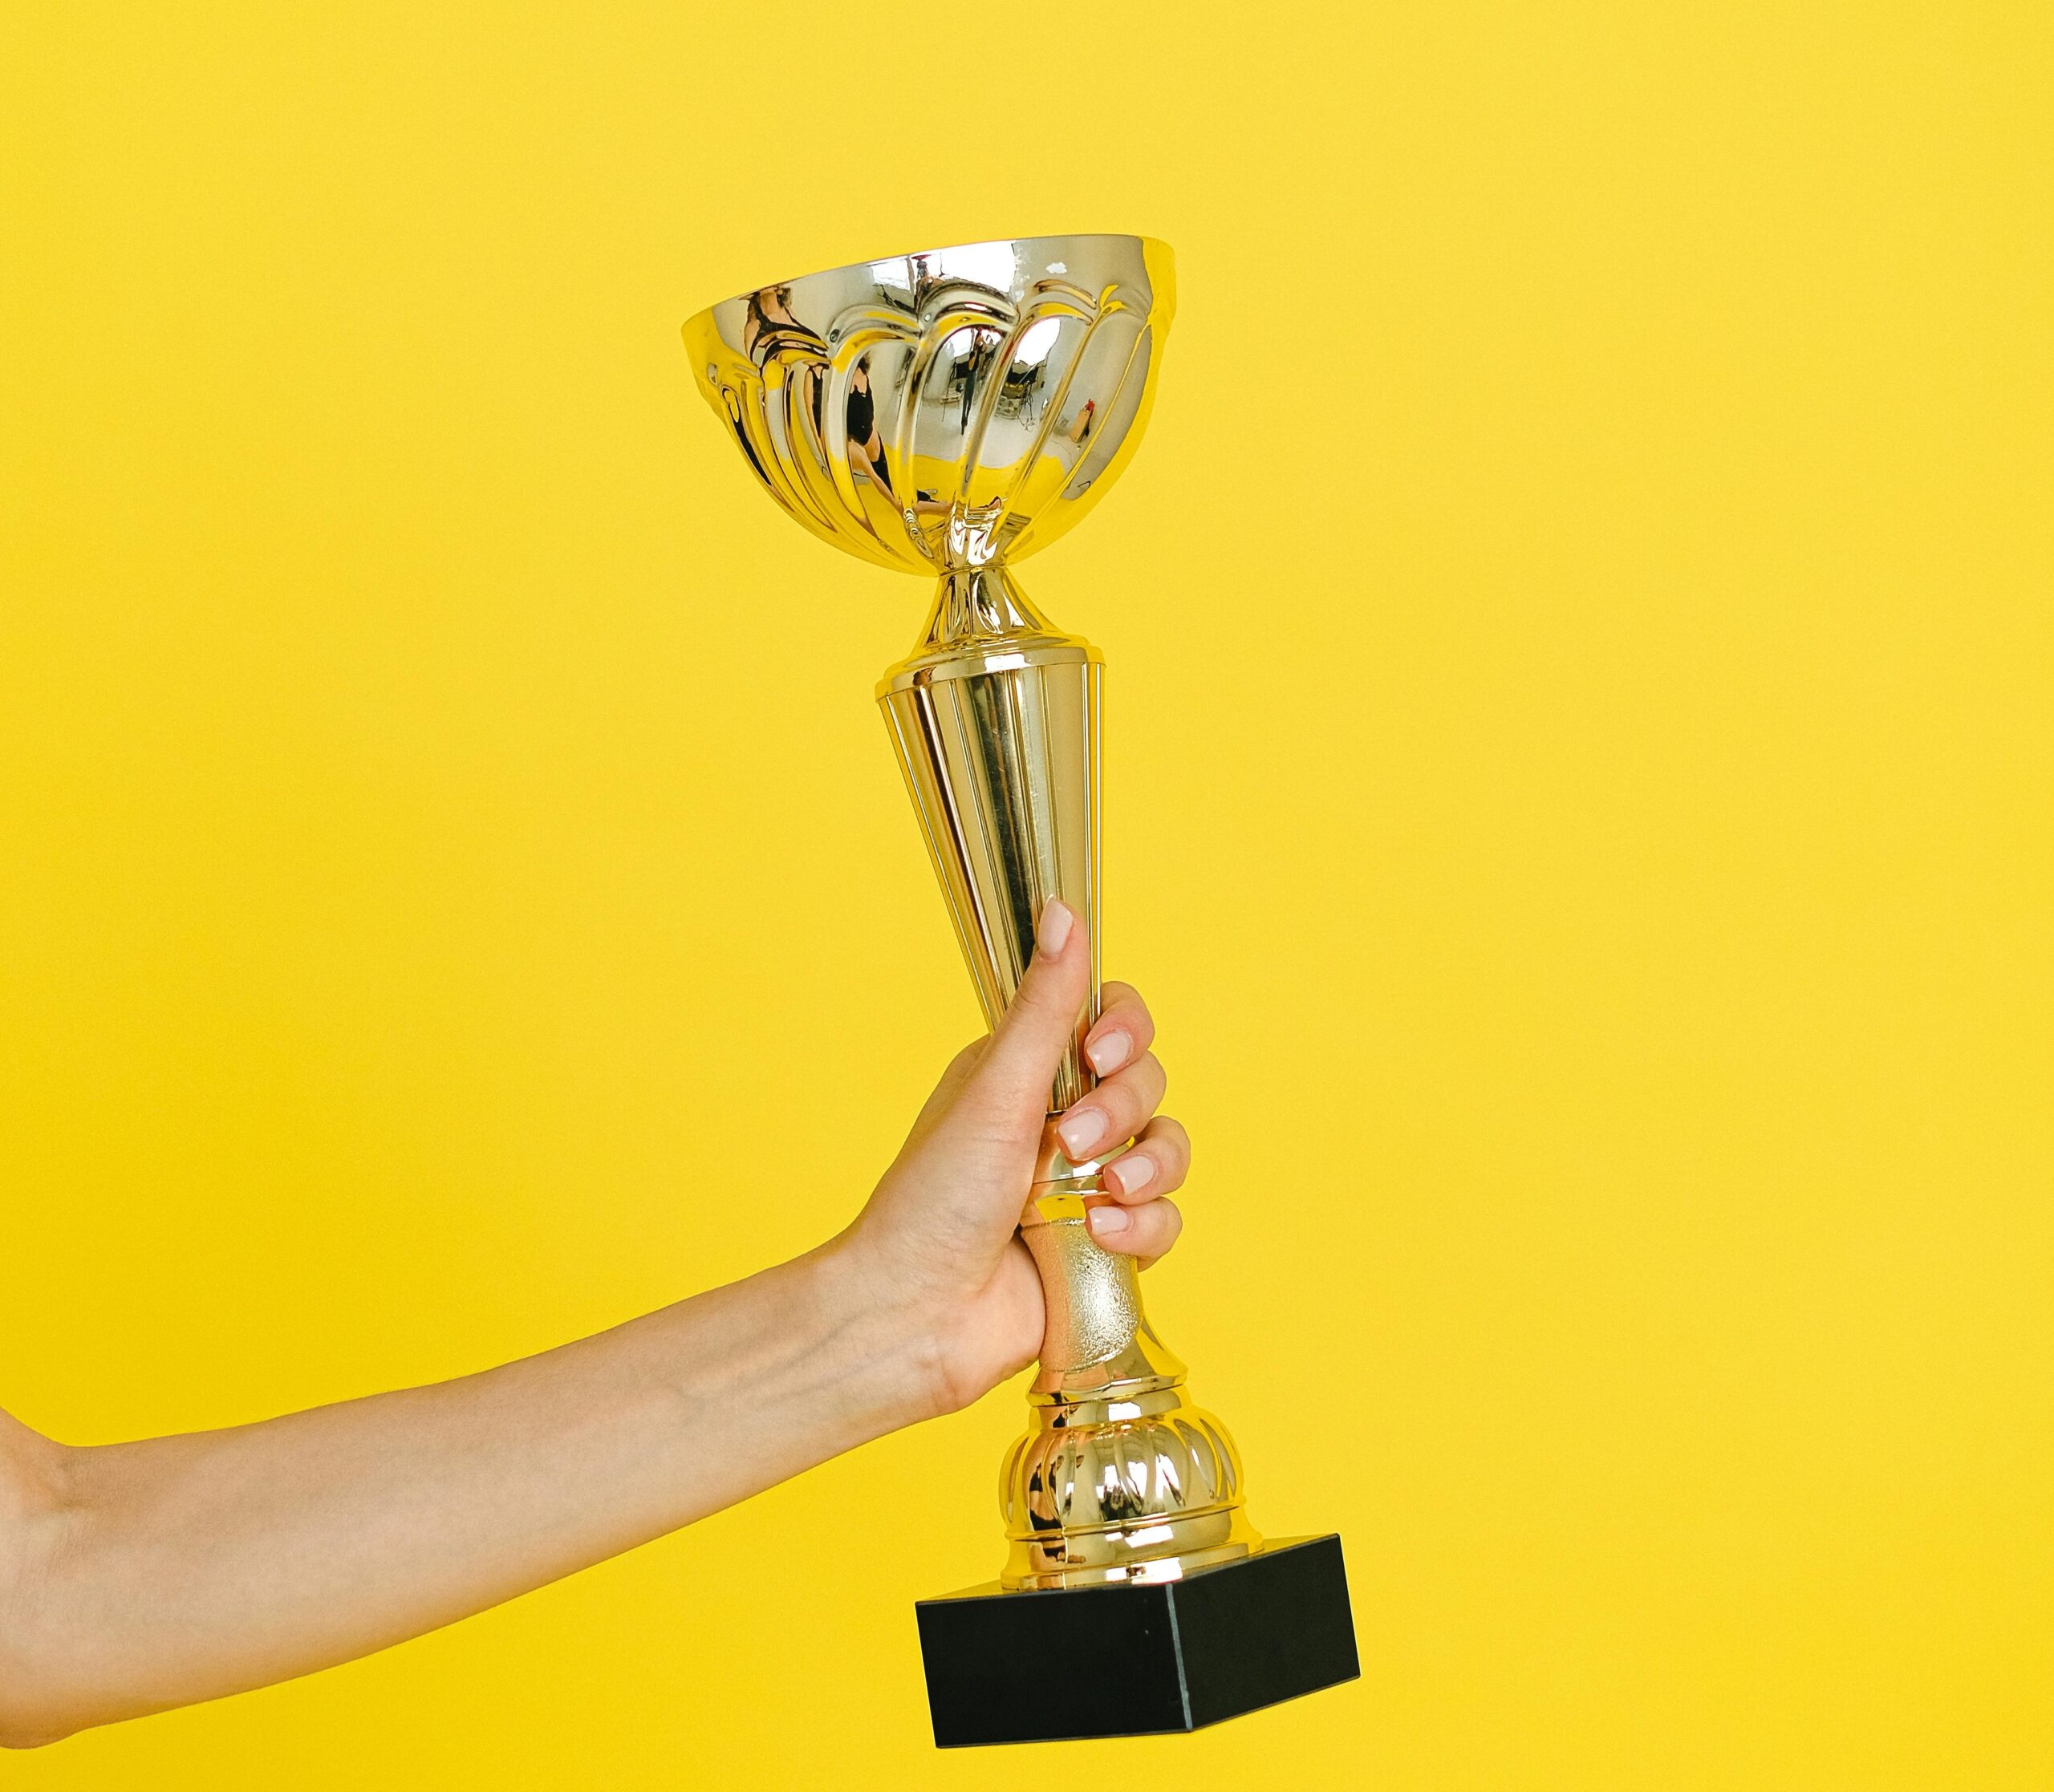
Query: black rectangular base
point(1139, 1659)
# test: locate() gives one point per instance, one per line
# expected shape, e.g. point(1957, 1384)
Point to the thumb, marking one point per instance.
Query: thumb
point(1045, 1015)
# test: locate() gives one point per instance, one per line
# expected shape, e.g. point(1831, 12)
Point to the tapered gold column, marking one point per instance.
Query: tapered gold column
point(996, 718)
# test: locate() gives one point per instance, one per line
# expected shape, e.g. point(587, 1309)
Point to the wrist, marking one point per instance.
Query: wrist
point(891, 1345)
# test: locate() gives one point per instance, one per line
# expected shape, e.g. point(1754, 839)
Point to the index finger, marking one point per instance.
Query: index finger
point(1123, 1030)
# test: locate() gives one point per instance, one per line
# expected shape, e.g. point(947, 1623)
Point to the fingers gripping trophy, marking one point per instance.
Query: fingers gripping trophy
point(946, 414)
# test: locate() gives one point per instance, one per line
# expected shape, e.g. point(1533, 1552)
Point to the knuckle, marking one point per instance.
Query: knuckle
point(1156, 1228)
point(1131, 1008)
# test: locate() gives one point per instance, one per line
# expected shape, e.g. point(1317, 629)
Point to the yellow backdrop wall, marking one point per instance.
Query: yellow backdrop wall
point(1580, 758)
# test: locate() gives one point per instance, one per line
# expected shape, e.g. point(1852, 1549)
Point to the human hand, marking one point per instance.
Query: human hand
point(937, 1242)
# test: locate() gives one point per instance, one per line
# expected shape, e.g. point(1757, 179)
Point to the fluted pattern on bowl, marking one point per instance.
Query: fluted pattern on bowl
point(946, 410)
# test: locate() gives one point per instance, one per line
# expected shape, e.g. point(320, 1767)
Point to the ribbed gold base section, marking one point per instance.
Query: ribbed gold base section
point(1120, 1476)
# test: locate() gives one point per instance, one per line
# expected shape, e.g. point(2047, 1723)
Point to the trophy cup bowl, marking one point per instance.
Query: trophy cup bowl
point(948, 412)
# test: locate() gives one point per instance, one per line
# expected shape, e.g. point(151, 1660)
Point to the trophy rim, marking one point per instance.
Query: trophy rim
point(1151, 245)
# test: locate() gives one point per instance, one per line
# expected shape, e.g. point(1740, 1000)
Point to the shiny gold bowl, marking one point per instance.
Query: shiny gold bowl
point(943, 411)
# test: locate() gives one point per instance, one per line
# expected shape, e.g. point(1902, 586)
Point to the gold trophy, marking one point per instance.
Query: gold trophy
point(946, 413)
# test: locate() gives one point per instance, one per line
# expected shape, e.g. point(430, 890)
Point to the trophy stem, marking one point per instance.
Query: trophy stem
point(996, 721)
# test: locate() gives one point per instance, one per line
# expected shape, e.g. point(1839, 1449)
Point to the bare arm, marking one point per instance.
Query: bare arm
point(134, 1577)
point(158, 1573)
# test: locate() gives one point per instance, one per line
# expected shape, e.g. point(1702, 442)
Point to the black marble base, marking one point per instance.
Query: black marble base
point(1138, 1659)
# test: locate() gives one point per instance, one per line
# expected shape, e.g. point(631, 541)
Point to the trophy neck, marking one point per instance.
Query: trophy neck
point(982, 624)
point(975, 606)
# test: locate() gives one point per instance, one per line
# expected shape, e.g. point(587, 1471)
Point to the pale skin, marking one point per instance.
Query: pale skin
point(134, 1577)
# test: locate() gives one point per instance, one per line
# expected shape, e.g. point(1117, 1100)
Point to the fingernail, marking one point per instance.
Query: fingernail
point(1106, 1220)
point(1053, 931)
point(1081, 1131)
point(1108, 1051)
point(1132, 1173)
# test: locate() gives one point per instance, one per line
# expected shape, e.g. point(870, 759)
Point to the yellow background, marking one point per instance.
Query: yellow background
point(1579, 791)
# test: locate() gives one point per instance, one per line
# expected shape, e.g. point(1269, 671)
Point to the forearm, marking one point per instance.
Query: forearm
point(184, 1568)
